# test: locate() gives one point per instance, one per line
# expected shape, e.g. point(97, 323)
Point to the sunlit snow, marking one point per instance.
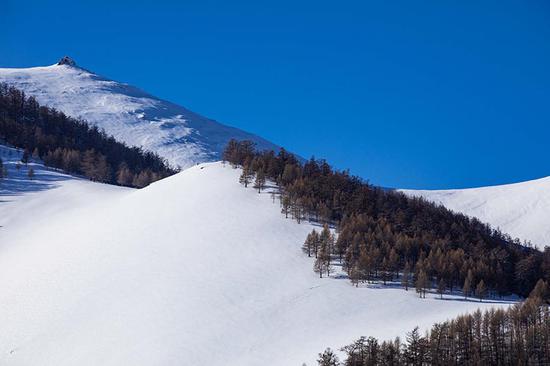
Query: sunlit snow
point(192, 270)
point(181, 136)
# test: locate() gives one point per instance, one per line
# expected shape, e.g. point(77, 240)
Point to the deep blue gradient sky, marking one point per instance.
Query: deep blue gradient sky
point(423, 94)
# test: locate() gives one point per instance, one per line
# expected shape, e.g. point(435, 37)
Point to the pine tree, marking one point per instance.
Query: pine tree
point(356, 352)
point(289, 174)
point(328, 358)
point(326, 240)
point(25, 157)
point(102, 170)
point(316, 244)
point(541, 291)
point(124, 176)
point(393, 263)
point(70, 160)
point(405, 276)
point(30, 173)
point(89, 164)
point(441, 288)
point(421, 283)
point(416, 349)
point(297, 210)
point(354, 275)
point(481, 290)
point(310, 242)
point(285, 203)
point(259, 183)
point(246, 176)
point(322, 263)
point(364, 263)
point(467, 288)
point(143, 179)
point(385, 270)
point(319, 266)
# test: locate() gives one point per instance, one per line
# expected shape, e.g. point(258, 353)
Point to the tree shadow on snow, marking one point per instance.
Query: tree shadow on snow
point(18, 182)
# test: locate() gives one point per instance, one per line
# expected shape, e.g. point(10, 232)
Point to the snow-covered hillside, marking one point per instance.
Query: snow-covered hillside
point(50, 192)
point(129, 114)
point(521, 210)
point(192, 270)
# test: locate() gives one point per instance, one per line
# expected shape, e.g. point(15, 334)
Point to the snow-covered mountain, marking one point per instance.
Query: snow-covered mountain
point(191, 270)
point(521, 209)
point(181, 136)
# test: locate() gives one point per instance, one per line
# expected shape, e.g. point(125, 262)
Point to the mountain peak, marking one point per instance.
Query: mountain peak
point(181, 136)
point(66, 60)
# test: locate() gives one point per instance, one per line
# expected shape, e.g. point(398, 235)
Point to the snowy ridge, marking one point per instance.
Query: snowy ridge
point(132, 116)
point(192, 270)
point(522, 209)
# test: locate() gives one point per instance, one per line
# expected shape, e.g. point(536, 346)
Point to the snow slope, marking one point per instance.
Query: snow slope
point(129, 114)
point(192, 270)
point(521, 209)
point(24, 200)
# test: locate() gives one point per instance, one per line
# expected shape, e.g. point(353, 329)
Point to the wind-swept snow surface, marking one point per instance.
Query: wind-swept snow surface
point(129, 114)
point(521, 209)
point(192, 270)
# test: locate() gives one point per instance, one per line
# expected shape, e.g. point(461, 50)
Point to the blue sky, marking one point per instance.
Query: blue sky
point(424, 94)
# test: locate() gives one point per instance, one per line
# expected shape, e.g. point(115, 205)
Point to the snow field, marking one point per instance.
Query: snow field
point(194, 270)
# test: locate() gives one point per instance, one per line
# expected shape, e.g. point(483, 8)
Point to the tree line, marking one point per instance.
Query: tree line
point(519, 335)
point(384, 235)
point(72, 145)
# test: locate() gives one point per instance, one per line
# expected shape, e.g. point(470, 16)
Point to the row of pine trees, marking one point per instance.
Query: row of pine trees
point(323, 247)
point(73, 145)
point(519, 335)
point(383, 235)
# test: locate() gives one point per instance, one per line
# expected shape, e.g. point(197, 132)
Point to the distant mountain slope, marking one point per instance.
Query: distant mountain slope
point(191, 270)
point(129, 114)
point(73, 146)
point(521, 210)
